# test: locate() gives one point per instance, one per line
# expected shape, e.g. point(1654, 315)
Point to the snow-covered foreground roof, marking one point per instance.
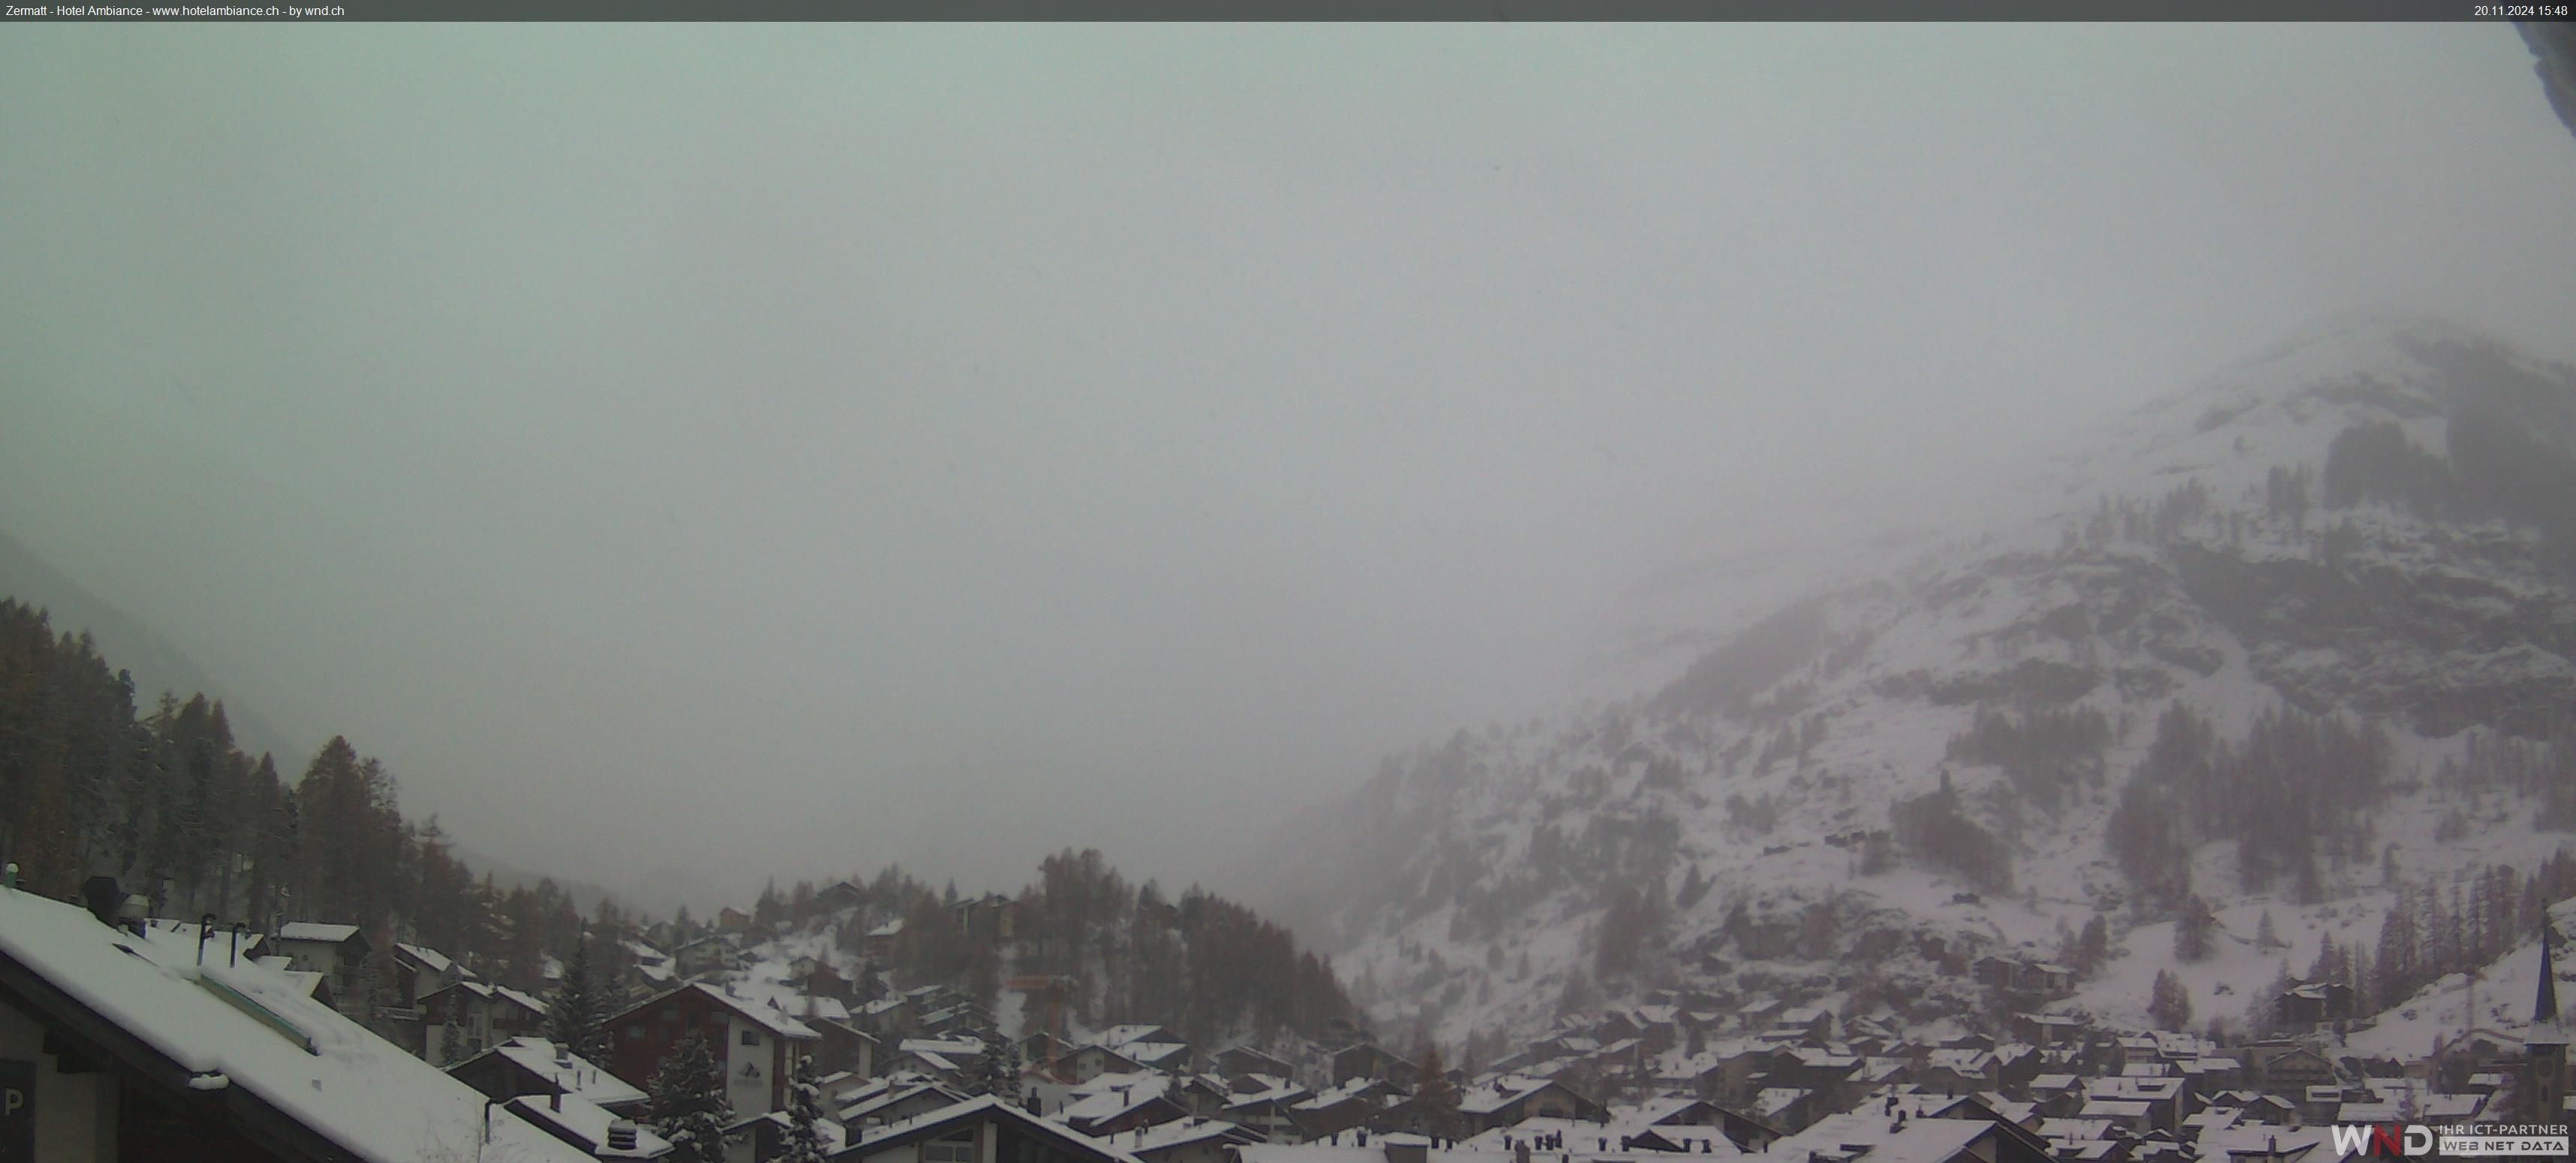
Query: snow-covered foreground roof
point(247, 1031)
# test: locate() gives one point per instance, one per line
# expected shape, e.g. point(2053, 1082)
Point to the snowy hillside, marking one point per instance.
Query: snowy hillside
point(2292, 644)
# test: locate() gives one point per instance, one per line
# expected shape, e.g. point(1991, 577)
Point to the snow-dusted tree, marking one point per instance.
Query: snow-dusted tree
point(689, 1106)
point(574, 1014)
point(2191, 930)
point(804, 1140)
point(451, 1032)
point(2169, 1005)
point(996, 1071)
point(2266, 937)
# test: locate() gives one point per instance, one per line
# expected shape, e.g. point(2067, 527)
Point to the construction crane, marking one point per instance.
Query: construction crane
point(1054, 994)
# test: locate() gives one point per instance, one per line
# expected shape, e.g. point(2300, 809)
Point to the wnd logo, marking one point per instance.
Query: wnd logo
point(2390, 1141)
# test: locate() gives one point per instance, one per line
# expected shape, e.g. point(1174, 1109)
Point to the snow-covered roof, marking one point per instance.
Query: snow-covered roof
point(980, 1107)
point(315, 931)
point(1886, 1141)
point(857, 1105)
point(1121, 1035)
point(1183, 1132)
point(588, 1122)
point(1500, 1093)
point(777, 1021)
point(1098, 1103)
point(244, 1030)
point(944, 1047)
point(430, 959)
point(572, 1072)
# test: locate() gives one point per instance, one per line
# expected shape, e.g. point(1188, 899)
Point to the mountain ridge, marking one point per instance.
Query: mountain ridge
point(2353, 544)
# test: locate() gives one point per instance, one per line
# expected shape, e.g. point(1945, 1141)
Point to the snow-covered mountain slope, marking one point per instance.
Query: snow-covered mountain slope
point(2284, 645)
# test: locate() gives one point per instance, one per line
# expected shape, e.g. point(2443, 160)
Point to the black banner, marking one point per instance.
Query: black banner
point(47, 11)
point(17, 1111)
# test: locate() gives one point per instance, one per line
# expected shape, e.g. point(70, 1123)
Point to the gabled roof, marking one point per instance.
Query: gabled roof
point(584, 1124)
point(1501, 1092)
point(771, 1018)
point(1887, 1141)
point(306, 1081)
point(982, 1108)
point(569, 1072)
point(424, 956)
point(315, 931)
point(1183, 1132)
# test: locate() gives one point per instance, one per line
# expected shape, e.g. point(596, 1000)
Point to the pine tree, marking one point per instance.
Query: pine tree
point(689, 1106)
point(2266, 937)
point(2169, 1005)
point(2191, 930)
point(804, 1141)
point(451, 1032)
point(996, 1071)
point(573, 1014)
point(2093, 944)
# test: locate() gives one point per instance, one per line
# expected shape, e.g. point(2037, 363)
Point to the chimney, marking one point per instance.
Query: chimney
point(103, 897)
point(621, 1135)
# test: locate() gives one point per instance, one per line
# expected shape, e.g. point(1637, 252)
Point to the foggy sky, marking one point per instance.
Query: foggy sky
point(691, 454)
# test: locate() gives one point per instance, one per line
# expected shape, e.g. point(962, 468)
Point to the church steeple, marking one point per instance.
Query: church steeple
point(2546, 1029)
point(2544, 1049)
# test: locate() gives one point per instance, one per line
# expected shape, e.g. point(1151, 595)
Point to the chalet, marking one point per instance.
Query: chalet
point(886, 1101)
point(1959, 1071)
point(1041, 1048)
point(840, 895)
point(979, 1130)
point(1239, 1061)
point(879, 943)
point(986, 919)
point(2288, 1070)
point(1785, 1107)
point(587, 1128)
point(732, 919)
point(120, 1044)
point(1202, 1095)
point(1509, 1099)
point(1365, 1060)
point(714, 952)
point(1812, 1023)
point(756, 1043)
point(765, 1137)
point(2315, 1004)
point(1268, 1108)
point(419, 971)
point(1113, 1103)
point(1192, 1140)
point(338, 952)
point(1345, 1106)
point(841, 1045)
point(485, 1016)
point(535, 1066)
point(946, 1059)
point(1088, 1062)
point(1871, 1136)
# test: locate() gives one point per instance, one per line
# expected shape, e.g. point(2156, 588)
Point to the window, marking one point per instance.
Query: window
point(958, 1148)
point(635, 1032)
point(750, 1037)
